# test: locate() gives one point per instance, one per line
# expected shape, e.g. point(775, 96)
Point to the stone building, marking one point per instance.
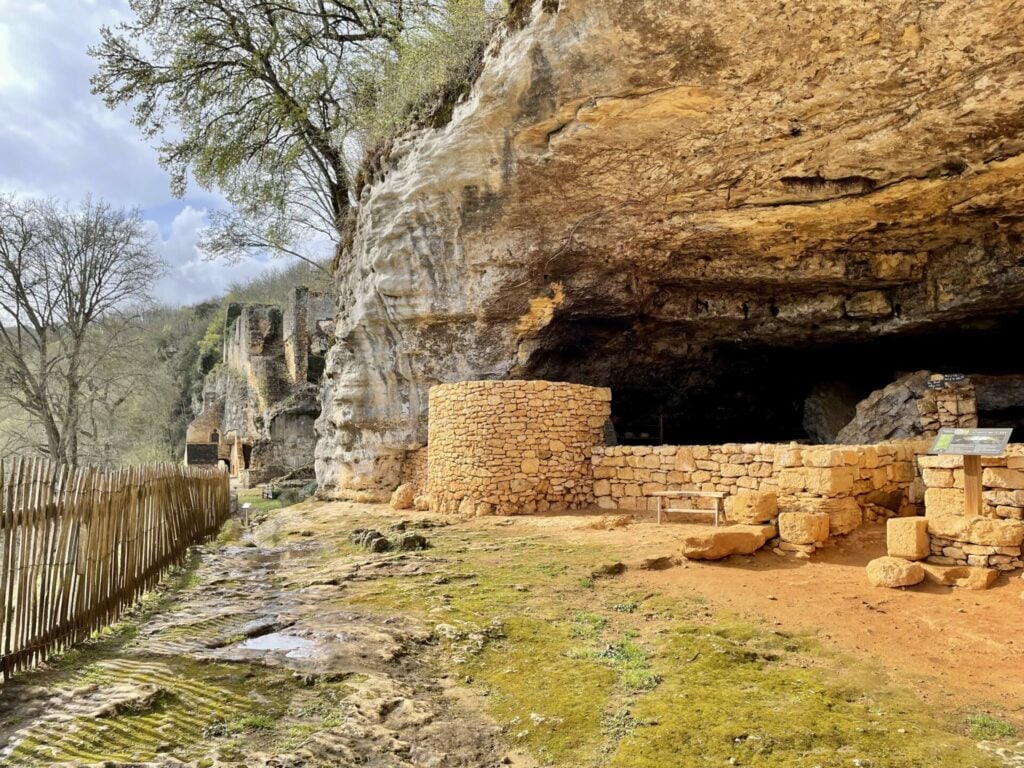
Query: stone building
point(203, 443)
point(260, 404)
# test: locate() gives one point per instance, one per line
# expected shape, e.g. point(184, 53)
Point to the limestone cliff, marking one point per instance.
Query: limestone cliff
point(681, 199)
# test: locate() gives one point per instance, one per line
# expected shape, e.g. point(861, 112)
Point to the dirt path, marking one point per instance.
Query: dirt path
point(239, 670)
point(514, 634)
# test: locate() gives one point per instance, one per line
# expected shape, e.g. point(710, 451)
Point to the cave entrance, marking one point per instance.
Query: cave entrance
point(757, 392)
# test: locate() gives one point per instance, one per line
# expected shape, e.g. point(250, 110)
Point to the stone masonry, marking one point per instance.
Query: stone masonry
point(991, 540)
point(513, 447)
point(880, 478)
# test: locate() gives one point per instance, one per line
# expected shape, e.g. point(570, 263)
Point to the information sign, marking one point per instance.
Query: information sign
point(971, 442)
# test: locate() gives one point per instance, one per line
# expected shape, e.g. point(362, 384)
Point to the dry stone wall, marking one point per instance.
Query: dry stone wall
point(991, 540)
point(414, 470)
point(880, 478)
point(513, 447)
point(1002, 480)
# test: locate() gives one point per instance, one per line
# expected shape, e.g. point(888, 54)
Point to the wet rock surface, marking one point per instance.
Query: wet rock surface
point(248, 649)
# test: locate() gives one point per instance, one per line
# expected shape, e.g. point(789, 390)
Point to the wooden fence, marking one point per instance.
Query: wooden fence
point(78, 547)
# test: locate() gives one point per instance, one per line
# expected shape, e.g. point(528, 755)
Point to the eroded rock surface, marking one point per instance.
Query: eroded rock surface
point(643, 195)
point(266, 634)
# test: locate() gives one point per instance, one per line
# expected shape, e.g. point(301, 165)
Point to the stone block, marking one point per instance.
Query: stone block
point(937, 478)
point(684, 460)
point(962, 576)
point(977, 530)
point(844, 514)
point(822, 456)
point(894, 572)
point(940, 462)
point(751, 507)
point(907, 537)
point(822, 481)
point(943, 502)
point(403, 497)
point(1004, 498)
point(718, 543)
point(996, 477)
point(803, 527)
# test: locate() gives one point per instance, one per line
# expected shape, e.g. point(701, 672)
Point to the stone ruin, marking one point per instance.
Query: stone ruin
point(261, 403)
point(525, 447)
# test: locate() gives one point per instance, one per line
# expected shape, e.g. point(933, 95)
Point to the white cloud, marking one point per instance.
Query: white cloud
point(57, 139)
point(191, 278)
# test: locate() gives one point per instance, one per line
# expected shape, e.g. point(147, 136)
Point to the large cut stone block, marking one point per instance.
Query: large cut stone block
point(717, 543)
point(894, 572)
point(751, 507)
point(977, 530)
point(943, 502)
point(907, 537)
point(844, 514)
point(822, 481)
point(803, 527)
point(997, 477)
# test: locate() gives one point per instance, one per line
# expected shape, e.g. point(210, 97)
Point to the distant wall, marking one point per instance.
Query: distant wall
point(513, 447)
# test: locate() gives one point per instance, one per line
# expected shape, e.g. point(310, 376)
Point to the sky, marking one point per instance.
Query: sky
point(56, 139)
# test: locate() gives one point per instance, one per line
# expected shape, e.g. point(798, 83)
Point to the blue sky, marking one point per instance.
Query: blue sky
point(56, 139)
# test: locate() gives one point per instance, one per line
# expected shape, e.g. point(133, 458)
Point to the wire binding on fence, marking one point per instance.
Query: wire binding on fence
point(79, 547)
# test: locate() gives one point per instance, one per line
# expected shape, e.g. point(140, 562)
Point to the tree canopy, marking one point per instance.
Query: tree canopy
point(260, 99)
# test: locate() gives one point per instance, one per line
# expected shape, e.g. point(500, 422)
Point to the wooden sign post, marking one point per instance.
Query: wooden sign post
point(972, 444)
point(972, 486)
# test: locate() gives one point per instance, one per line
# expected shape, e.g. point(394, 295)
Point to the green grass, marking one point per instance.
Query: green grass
point(588, 673)
point(985, 727)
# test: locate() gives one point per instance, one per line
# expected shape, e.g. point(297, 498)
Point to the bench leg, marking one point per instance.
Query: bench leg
point(659, 510)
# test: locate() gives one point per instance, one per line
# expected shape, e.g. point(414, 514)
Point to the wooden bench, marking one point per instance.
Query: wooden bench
point(665, 499)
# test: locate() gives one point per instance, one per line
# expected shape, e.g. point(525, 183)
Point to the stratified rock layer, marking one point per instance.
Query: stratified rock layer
point(638, 191)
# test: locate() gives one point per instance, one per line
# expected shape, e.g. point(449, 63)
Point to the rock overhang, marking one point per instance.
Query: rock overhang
point(685, 180)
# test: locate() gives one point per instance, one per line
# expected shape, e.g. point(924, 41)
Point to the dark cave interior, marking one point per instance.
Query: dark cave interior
point(756, 391)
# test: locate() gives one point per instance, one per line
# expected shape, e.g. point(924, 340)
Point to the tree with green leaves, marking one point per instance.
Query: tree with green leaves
point(256, 98)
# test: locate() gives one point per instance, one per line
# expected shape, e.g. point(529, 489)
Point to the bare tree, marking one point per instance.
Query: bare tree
point(69, 282)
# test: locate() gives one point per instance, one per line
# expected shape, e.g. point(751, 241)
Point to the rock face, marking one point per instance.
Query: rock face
point(917, 404)
point(680, 200)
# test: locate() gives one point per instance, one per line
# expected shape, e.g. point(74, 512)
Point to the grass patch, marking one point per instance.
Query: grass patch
point(985, 727)
point(599, 676)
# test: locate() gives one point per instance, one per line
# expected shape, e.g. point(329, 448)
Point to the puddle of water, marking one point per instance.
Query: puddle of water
point(297, 647)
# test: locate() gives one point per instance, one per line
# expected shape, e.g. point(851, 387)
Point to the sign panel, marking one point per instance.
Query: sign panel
point(971, 442)
point(939, 382)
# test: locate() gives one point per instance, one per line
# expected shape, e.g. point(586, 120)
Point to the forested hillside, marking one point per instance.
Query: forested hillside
point(154, 380)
